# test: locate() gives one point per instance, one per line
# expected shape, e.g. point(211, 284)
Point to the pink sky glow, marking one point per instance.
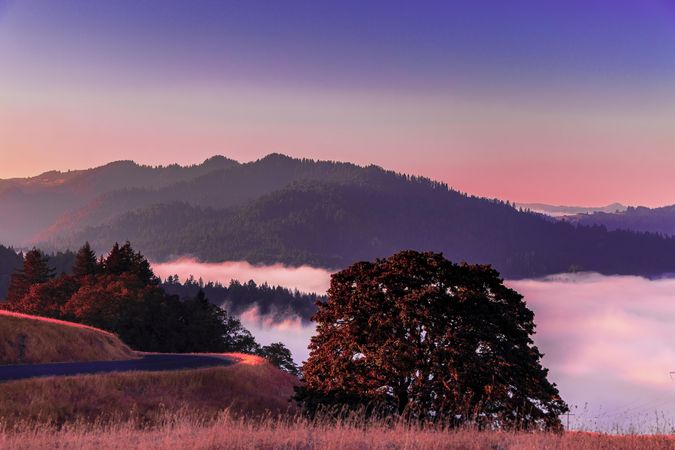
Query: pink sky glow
point(484, 147)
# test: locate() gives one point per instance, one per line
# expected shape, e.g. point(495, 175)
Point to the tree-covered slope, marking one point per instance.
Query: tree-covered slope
point(32, 205)
point(334, 223)
point(234, 185)
point(655, 220)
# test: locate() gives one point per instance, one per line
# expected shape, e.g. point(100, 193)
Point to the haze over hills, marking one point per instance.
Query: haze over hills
point(613, 217)
point(322, 213)
point(562, 210)
point(31, 205)
point(655, 220)
point(222, 188)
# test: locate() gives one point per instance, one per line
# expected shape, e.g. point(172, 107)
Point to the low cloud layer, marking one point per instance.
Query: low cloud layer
point(303, 278)
point(609, 341)
point(292, 332)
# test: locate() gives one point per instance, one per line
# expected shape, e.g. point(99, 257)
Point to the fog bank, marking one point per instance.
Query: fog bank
point(303, 278)
point(609, 343)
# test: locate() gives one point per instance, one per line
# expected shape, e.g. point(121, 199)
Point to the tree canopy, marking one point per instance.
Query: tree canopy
point(85, 262)
point(35, 270)
point(416, 334)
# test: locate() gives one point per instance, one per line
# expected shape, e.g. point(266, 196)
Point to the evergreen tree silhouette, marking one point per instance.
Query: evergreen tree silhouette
point(35, 270)
point(85, 262)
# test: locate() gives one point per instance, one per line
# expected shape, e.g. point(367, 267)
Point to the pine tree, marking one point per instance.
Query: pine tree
point(35, 270)
point(85, 262)
point(123, 259)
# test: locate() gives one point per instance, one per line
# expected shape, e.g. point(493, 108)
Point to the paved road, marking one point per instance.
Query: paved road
point(153, 362)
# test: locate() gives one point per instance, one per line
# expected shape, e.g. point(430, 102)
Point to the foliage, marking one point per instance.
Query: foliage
point(47, 299)
point(35, 270)
point(418, 335)
point(85, 262)
point(122, 295)
point(11, 261)
point(277, 354)
point(275, 302)
point(639, 219)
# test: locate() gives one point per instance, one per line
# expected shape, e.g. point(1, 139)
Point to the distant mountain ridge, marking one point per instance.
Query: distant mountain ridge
point(31, 205)
point(561, 210)
point(218, 189)
point(640, 219)
point(330, 214)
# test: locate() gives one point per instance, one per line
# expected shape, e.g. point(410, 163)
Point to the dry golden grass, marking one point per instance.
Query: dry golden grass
point(250, 387)
point(30, 339)
point(189, 431)
point(241, 406)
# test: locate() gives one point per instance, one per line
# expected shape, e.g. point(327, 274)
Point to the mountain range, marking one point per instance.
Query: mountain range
point(46, 200)
point(301, 211)
point(652, 220)
point(562, 210)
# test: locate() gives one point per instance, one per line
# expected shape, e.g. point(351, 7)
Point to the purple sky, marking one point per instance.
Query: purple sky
point(562, 102)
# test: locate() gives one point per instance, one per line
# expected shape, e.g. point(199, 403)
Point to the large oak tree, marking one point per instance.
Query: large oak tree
point(416, 334)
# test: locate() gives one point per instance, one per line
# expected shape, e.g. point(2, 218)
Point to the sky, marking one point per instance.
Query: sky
point(564, 102)
point(610, 355)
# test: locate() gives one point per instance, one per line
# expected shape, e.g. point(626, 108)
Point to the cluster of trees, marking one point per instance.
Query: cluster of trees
point(10, 261)
point(121, 294)
point(418, 336)
point(275, 302)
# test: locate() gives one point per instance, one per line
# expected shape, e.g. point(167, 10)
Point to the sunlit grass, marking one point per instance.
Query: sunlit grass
point(230, 431)
point(26, 339)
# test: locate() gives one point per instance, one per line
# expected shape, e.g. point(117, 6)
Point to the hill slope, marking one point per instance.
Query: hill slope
point(334, 224)
point(330, 214)
point(561, 210)
point(234, 185)
point(28, 339)
point(253, 386)
point(641, 219)
point(30, 205)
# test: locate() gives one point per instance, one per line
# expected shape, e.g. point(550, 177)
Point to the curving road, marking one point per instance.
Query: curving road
point(148, 362)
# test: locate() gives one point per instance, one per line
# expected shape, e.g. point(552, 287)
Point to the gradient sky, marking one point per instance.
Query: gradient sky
point(567, 102)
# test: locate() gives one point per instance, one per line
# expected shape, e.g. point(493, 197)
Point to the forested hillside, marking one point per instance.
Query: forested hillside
point(229, 186)
point(31, 205)
point(323, 213)
point(655, 220)
point(334, 223)
point(274, 302)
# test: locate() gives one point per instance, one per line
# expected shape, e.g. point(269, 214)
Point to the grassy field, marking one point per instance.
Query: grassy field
point(29, 339)
point(234, 407)
point(242, 406)
point(190, 431)
point(250, 387)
